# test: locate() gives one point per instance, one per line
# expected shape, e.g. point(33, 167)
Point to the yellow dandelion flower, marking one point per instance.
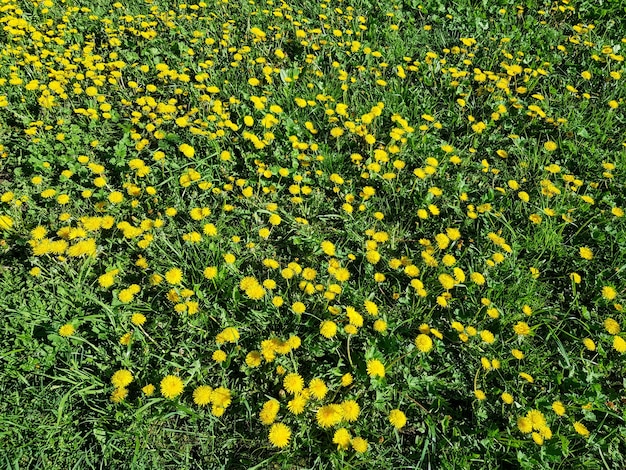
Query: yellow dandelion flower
point(342, 438)
point(397, 418)
point(375, 368)
point(521, 328)
point(558, 408)
point(293, 383)
point(121, 378)
point(359, 444)
point(527, 377)
point(589, 344)
point(279, 435)
point(171, 386)
point(586, 253)
point(202, 395)
point(138, 319)
point(328, 329)
point(525, 425)
point(611, 326)
point(297, 404)
point(221, 397)
point(424, 343)
point(119, 394)
point(67, 330)
point(269, 411)
point(507, 398)
point(346, 379)
point(174, 276)
point(329, 415)
point(581, 429)
point(609, 292)
point(318, 388)
point(619, 344)
point(350, 410)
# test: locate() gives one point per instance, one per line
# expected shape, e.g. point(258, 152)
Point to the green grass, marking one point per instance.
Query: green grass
point(391, 123)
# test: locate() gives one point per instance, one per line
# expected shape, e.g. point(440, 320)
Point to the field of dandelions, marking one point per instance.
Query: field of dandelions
point(340, 234)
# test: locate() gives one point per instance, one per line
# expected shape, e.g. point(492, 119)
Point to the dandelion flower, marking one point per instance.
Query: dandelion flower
point(609, 292)
point(359, 444)
point(221, 397)
point(424, 343)
point(219, 356)
point(611, 326)
point(119, 394)
point(507, 398)
point(67, 330)
point(586, 253)
point(375, 368)
point(397, 418)
point(318, 388)
point(279, 435)
point(589, 344)
point(227, 335)
point(342, 438)
point(487, 336)
point(346, 379)
point(529, 378)
point(174, 276)
point(269, 411)
point(350, 410)
point(521, 328)
point(298, 308)
point(329, 415)
point(138, 319)
point(380, 326)
point(525, 425)
point(328, 248)
point(477, 278)
point(202, 395)
point(581, 429)
point(293, 383)
point(619, 344)
point(297, 404)
point(171, 386)
point(558, 408)
point(187, 150)
point(550, 146)
point(328, 329)
point(253, 359)
point(537, 419)
point(122, 378)
point(6, 222)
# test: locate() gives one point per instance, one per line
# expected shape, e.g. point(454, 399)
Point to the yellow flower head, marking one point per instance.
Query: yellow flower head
point(171, 386)
point(293, 383)
point(67, 330)
point(397, 418)
point(375, 368)
point(269, 411)
point(202, 395)
point(329, 415)
point(121, 378)
point(279, 435)
point(342, 438)
point(424, 343)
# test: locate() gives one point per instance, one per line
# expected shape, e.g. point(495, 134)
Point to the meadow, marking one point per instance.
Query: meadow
point(342, 234)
